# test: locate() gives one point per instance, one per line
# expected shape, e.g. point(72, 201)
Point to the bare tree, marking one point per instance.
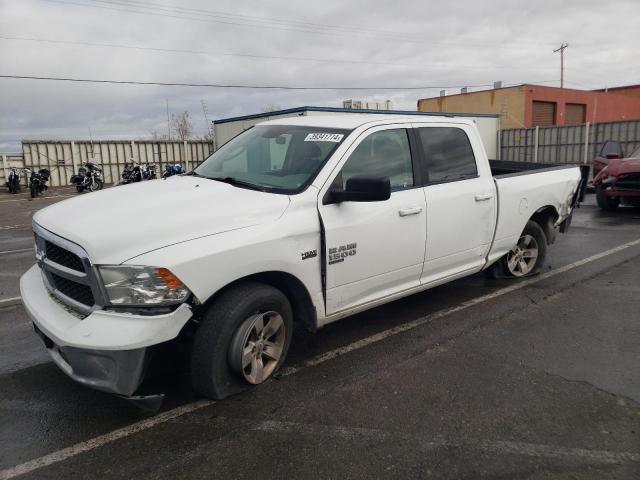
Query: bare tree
point(157, 136)
point(182, 126)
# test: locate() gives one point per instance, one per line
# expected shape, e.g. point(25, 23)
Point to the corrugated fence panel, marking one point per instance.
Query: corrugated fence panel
point(566, 144)
point(62, 158)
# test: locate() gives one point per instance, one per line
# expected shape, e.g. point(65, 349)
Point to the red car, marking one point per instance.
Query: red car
point(616, 179)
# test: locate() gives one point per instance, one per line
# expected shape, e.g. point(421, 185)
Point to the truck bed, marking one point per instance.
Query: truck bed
point(507, 168)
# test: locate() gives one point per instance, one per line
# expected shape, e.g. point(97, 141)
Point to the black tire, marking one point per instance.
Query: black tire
point(79, 188)
point(211, 372)
point(34, 191)
point(501, 268)
point(604, 202)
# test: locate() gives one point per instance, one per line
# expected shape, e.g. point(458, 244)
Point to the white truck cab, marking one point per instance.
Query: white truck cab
point(306, 219)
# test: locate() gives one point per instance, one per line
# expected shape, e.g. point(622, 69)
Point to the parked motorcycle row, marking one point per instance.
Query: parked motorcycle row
point(134, 172)
point(36, 180)
point(89, 177)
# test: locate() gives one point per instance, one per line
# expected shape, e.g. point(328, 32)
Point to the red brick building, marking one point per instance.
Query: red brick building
point(531, 105)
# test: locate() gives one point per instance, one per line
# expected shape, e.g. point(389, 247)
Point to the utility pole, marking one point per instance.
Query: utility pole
point(561, 50)
point(168, 124)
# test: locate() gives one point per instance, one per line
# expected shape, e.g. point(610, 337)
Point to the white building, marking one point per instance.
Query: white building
point(227, 128)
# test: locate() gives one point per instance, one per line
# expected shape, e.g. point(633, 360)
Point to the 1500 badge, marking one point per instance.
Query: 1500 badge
point(338, 254)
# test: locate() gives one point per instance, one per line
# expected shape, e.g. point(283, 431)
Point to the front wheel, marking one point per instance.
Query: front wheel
point(242, 341)
point(604, 202)
point(526, 258)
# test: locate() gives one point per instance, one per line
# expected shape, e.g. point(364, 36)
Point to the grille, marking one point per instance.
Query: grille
point(63, 257)
point(76, 291)
point(631, 181)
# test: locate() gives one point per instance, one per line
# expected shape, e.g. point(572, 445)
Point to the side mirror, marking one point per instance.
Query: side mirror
point(361, 188)
point(611, 156)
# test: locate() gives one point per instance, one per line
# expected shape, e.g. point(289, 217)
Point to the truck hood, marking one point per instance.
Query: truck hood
point(120, 223)
point(621, 166)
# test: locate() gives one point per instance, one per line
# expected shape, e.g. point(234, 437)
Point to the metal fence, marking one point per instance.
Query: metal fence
point(567, 144)
point(62, 158)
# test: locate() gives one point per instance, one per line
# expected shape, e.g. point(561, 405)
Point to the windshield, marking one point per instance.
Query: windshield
point(277, 158)
point(635, 153)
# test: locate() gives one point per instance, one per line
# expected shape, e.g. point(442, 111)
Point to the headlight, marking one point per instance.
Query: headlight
point(608, 180)
point(138, 285)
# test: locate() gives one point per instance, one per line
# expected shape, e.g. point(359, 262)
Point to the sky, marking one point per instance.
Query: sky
point(404, 50)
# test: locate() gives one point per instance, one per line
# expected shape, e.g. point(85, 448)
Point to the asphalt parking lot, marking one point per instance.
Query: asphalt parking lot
point(480, 378)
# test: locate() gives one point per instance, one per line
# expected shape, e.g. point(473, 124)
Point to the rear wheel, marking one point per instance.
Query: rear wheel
point(604, 202)
point(34, 191)
point(526, 258)
point(79, 188)
point(242, 341)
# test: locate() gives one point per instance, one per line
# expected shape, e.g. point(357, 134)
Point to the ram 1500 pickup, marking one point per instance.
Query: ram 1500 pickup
point(307, 220)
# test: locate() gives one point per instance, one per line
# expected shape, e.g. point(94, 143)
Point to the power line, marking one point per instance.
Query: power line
point(245, 55)
point(174, 12)
point(254, 87)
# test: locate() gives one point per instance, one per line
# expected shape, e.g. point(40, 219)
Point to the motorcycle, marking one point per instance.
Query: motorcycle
point(13, 182)
point(172, 169)
point(134, 172)
point(37, 181)
point(89, 177)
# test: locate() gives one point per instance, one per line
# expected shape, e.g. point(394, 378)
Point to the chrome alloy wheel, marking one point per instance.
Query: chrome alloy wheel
point(257, 346)
point(522, 258)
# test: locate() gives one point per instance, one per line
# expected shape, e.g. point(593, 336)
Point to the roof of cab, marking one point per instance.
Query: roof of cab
point(356, 120)
point(302, 110)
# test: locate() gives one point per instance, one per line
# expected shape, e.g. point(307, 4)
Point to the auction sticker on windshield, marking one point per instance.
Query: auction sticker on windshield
point(324, 137)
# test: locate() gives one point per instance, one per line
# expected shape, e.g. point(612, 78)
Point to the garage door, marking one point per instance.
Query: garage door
point(575, 113)
point(543, 114)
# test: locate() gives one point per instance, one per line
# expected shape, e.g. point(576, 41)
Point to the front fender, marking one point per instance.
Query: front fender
point(208, 264)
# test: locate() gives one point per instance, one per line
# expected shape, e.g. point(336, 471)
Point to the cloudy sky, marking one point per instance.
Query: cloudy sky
point(330, 43)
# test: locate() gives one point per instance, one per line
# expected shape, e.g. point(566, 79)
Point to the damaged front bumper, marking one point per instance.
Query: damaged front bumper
point(106, 350)
point(114, 371)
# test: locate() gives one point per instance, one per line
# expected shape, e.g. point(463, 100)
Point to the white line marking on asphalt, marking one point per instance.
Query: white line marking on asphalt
point(101, 440)
point(8, 302)
point(12, 227)
point(96, 442)
point(20, 250)
point(28, 199)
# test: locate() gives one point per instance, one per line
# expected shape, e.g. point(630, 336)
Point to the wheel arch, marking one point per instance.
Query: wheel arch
point(304, 311)
point(547, 217)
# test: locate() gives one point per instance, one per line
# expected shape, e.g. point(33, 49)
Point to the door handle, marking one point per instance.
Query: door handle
point(484, 196)
point(405, 212)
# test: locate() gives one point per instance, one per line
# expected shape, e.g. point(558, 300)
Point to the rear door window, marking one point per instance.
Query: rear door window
point(447, 153)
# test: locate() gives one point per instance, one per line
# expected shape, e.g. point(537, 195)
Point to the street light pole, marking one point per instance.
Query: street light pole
point(561, 50)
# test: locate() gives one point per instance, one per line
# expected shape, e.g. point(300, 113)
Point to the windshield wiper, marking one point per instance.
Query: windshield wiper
point(238, 183)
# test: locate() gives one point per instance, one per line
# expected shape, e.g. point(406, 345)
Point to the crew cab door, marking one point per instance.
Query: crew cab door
point(374, 249)
point(461, 200)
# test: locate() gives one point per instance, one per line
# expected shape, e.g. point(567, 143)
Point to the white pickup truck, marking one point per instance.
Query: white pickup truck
point(307, 219)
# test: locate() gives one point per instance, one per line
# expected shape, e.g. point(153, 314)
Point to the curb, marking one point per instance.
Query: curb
point(9, 302)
